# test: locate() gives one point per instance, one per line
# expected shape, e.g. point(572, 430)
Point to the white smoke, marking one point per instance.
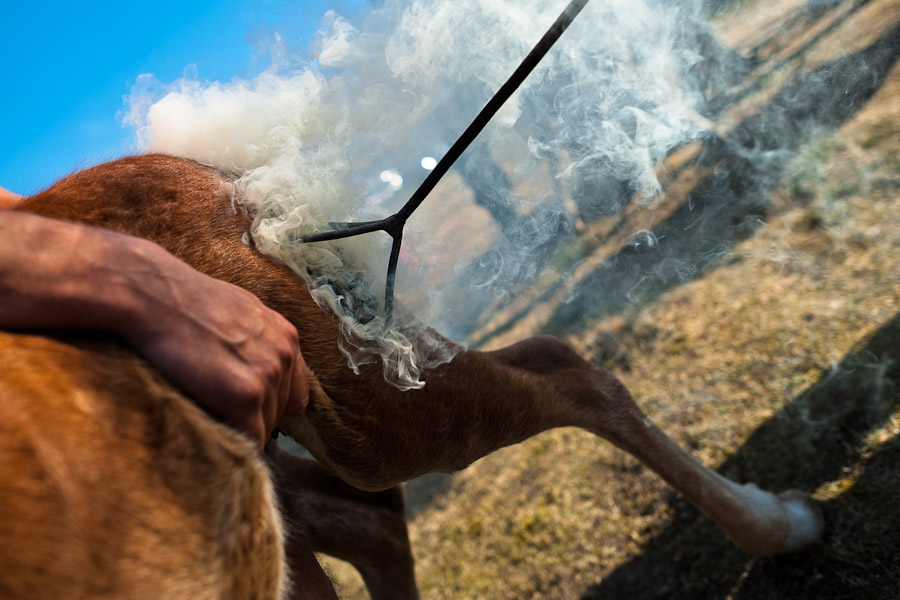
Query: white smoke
point(311, 138)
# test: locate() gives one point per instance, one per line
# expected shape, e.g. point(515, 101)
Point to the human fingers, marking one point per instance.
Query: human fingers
point(283, 342)
point(255, 428)
point(299, 393)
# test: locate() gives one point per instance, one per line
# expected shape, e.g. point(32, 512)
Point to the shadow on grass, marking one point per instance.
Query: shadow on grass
point(814, 440)
point(747, 165)
point(720, 104)
point(730, 204)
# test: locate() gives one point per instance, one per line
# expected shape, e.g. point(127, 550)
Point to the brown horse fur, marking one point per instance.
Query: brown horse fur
point(117, 486)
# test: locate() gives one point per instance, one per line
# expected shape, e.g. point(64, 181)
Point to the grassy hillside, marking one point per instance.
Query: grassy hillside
point(774, 358)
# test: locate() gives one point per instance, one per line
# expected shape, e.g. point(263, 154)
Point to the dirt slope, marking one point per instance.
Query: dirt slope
point(775, 357)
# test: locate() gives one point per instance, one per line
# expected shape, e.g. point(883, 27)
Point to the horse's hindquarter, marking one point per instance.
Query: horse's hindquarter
point(114, 485)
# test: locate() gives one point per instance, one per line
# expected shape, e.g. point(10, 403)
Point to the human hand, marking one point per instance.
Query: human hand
point(221, 345)
point(218, 343)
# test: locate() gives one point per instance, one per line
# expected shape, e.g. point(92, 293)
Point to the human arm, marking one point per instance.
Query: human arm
point(232, 355)
point(8, 199)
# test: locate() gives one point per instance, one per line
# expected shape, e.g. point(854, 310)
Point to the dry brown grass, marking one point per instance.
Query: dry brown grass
point(780, 363)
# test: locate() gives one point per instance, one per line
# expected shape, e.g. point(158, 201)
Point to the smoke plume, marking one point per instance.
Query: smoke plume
point(347, 132)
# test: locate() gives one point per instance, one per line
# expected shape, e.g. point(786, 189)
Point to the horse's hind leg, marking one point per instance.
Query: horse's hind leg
point(483, 401)
point(757, 521)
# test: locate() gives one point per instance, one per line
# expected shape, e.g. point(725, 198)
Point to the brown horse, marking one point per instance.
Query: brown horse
point(116, 485)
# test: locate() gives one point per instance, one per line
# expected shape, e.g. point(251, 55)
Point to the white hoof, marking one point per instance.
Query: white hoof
point(806, 520)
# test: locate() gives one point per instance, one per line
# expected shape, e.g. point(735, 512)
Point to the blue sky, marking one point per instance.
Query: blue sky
point(65, 67)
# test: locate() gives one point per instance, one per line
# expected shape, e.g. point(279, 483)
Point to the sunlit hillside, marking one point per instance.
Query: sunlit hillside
point(771, 350)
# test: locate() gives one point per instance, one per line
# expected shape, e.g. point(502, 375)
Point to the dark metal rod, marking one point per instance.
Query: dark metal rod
point(391, 277)
point(394, 224)
point(490, 109)
point(346, 230)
